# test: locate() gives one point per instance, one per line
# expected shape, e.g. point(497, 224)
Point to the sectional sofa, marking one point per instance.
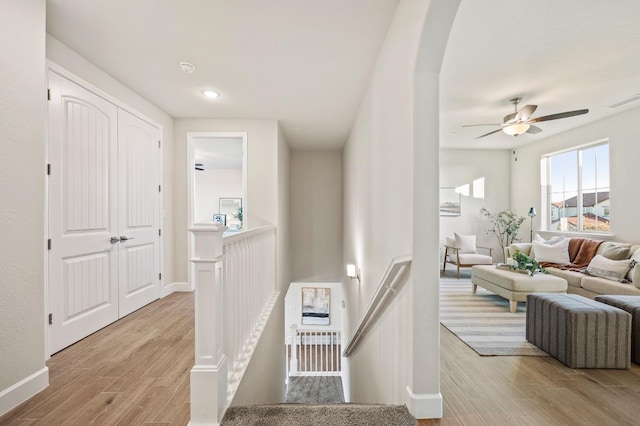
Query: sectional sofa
point(594, 284)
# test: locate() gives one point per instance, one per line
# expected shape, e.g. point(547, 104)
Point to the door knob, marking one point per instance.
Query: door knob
point(114, 240)
point(123, 238)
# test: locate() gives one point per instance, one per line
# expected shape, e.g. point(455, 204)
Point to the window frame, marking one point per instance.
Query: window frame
point(545, 169)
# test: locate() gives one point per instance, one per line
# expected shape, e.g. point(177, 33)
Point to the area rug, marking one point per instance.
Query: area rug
point(483, 321)
point(320, 415)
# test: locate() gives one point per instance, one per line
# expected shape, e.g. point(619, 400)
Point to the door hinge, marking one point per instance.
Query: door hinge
point(50, 319)
point(48, 94)
point(48, 169)
point(159, 232)
point(49, 244)
point(159, 188)
point(158, 144)
point(160, 276)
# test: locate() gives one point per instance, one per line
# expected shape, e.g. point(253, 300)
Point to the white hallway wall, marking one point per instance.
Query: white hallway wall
point(624, 152)
point(316, 215)
point(267, 182)
point(461, 167)
point(397, 124)
point(22, 195)
point(293, 307)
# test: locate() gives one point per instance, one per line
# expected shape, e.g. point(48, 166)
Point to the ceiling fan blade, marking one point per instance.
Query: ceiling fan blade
point(559, 115)
point(526, 112)
point(509, 118)
point(487, 134)
point(484, 124)
point(534, 129)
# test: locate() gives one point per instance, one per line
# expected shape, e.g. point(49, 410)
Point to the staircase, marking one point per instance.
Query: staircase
point(319, 414)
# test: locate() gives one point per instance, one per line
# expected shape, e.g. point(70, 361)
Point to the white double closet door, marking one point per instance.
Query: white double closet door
point(103, 207)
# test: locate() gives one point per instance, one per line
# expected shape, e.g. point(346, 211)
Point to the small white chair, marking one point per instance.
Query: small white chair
point(463, 252)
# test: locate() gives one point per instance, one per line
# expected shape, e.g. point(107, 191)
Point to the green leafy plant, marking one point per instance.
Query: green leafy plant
point(238, 215)
point(525, 263)
point(504, 225)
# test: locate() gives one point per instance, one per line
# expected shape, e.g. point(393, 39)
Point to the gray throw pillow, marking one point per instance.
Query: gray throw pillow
point(615, 251)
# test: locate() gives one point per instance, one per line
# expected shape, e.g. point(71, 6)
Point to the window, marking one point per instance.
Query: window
point(578, 189)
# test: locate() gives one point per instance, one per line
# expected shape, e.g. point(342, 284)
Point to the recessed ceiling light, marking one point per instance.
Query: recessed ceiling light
point(211, 94)
point(187, 67)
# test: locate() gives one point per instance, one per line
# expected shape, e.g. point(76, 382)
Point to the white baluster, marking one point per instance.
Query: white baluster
point(293, 368)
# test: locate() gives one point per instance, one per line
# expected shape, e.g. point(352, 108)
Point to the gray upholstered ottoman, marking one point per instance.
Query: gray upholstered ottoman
point(579, 332)
point(630, 304)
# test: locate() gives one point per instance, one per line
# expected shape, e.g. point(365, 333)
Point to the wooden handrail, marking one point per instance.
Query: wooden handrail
point(387, 285)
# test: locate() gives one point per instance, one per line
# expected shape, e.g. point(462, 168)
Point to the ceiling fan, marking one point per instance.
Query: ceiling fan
point(519, 122)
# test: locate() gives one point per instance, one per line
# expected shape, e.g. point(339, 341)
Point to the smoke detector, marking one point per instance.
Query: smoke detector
point(187, 67)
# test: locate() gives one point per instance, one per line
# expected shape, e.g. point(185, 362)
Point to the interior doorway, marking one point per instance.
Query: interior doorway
point(217, 183)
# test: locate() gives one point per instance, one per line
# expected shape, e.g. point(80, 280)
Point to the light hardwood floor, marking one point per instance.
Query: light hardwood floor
point(136, 372)
point(133, 372)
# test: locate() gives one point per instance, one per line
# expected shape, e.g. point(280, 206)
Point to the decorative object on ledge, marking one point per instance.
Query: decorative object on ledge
point(532, 214)
point(450, 201)
point(220, 219)
point(520, 262)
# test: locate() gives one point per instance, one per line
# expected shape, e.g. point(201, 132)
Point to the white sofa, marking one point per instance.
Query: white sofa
point(591, 286)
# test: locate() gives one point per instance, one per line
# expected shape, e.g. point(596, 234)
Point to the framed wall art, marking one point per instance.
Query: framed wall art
point(316, 306)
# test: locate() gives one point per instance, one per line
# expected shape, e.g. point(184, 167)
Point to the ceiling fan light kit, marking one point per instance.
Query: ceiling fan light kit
point(520, 121)
point(516, 129)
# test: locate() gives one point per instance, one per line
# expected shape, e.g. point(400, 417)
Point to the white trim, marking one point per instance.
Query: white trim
point(18, 393)
point(208, 385)
point(52, 66)
point(424, 406)
point(173, 288)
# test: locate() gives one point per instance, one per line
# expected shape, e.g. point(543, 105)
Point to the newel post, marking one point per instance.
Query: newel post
point(209, 374)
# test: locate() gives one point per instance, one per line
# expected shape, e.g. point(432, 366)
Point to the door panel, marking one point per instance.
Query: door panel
point(139, 200)
point(83, 264)
point(104, 206)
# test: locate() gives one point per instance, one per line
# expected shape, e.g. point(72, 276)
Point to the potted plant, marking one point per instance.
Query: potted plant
point(238, 216)
point(504, 225)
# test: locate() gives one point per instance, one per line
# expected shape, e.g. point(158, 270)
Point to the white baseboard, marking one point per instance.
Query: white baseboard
point(18, 393)
point(173, 287)
point(424, 406)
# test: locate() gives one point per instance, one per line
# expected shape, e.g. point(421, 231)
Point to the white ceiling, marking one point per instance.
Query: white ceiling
point(306, 62)
point(302, 62)
point(559, 55)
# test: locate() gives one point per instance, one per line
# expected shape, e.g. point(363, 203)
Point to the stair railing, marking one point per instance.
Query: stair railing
point(387, 289)
point(313, 352)
point(235, 291)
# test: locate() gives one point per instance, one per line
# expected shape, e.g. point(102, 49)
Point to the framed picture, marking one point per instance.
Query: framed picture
point(449, 202)
point(220, 219)
point(232, 207)
point(316, 304)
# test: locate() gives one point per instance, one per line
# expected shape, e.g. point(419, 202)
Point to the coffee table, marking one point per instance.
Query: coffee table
point(514, 286)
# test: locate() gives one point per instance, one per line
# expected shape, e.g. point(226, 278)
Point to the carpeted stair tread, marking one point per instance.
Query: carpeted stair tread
point(319, 414)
